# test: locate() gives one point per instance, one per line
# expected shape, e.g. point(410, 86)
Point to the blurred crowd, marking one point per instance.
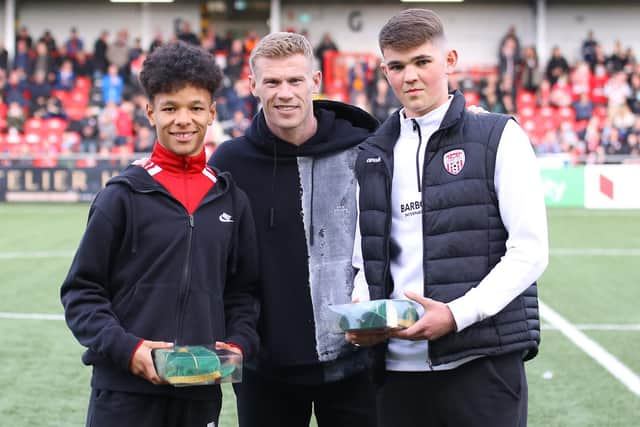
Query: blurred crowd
point(61, 99)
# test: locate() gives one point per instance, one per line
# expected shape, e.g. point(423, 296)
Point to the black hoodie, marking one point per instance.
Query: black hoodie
point(304, 205)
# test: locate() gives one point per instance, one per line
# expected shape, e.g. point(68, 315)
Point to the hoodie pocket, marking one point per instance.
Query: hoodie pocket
point(150, 311)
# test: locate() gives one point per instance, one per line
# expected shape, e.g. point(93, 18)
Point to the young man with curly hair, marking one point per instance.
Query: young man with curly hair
point(168, 257)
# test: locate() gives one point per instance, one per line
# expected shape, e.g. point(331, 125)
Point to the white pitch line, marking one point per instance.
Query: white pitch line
point(594, 252)
point(36, 254)
point(620, 371)
point(602, 327)
point(31, 316)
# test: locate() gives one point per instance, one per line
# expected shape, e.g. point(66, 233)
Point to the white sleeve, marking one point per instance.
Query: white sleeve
point(522, 210)
point(360, 287)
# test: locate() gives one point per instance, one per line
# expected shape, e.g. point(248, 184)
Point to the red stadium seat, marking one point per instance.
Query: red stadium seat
point(33, 125)
point(62, 95)
point(565, 114)
point(33, 137)
point(55, 125)
point(526, 99)
point(83, 84)
point(471, 98)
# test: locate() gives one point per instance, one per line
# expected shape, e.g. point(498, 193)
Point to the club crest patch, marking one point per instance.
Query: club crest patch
point(454, 161)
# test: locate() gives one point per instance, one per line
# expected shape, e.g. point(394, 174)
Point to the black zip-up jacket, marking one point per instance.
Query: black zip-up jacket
point(303, 201)
point(146, 269)
point(462, 232)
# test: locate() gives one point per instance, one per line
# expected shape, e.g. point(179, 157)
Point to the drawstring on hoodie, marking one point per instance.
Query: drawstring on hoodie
point(416, 128)
point(272, 209)
point(134, 224)
point(313, 164)
point(234, 234)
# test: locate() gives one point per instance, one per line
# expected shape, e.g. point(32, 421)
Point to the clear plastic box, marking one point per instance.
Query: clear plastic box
point(376, 314)
point(184, 366)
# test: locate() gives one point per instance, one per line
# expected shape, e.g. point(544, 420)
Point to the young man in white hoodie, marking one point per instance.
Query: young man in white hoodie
point(452, 216)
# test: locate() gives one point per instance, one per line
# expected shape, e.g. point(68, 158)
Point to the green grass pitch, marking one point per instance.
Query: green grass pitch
point(592, 279)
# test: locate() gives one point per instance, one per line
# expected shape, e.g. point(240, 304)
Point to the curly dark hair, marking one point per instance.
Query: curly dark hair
point(175, 65)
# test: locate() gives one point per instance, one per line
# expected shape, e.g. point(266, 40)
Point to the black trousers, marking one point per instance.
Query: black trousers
point(116, 409)
point(263, 402)
point(490, 391)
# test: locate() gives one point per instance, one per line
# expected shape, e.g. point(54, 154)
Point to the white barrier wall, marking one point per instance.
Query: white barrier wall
point(90, 18)
point(612, 187)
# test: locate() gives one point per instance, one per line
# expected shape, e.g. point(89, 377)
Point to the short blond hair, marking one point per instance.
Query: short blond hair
point(281, 45)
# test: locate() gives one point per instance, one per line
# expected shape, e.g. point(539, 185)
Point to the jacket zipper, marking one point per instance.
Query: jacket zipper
point(183, 296)
point(416, 128)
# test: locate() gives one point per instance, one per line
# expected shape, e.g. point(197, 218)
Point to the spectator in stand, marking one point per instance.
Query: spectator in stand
point(531, 75)
point(240, 98)
point(74, 44)
point(326, 45)
point(561, 93)
point(23, 35)
point(65, 77)
point(112, 86)
point(634, 98)
point(614, 143)
point(489, 99)
point(89, 132)
point(383, 101)
point(54, 109)
point(591, 134)
point(583, 107)
point(588, 49)
point(186, 35)
point(82, 66)
point(4, 57)
point(118, 53)
point(617, 91)
point(15, 117)
point(15, 88)
point(250, 41)
point(601, 58)
point(60, 57)
point(235, 61)
point(136, 50)
point(508, 62)
point(556, 66)
point(100, 52)
point(618, 60)
point(358, 82)
point(238, 125)
point(21, 59)
point(599, 79)
point(107, 125)
point(157, 41)
point(40, 90)
point(633, 143)
point(43, 62)
point(144, 140)
point(48, 39)
point(581, 79)
point(510, 36)
point(630, 59)
point(124, 124)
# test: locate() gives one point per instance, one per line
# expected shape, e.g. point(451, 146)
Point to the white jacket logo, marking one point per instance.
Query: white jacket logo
point(225, 217)
point(373, 160)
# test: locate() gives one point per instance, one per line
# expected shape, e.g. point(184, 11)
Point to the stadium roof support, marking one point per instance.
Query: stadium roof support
point(274, 16)
point(541, 28)
point(9, 26)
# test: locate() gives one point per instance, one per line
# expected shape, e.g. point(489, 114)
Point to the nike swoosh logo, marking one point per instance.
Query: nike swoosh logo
point(225, 217)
